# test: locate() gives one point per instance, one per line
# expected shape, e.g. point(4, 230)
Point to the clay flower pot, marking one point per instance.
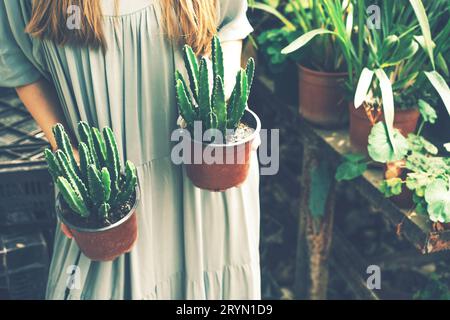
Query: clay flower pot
point(396, 170)
point(321, 97)
point(222, 176)
point(108, 243)
point(360, 126)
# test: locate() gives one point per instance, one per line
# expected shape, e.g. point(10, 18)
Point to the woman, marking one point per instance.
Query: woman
point(113, 65)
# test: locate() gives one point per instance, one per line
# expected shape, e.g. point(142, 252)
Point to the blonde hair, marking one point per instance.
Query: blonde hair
point(193, 22)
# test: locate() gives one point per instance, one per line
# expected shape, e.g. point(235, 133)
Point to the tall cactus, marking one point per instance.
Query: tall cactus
point(190, 60)
point(99, 146)
point(73, 199)
point(63, 142)
point(239, 103)
point(204, 102)
point(211, 107)
point(85, 133)
point(95, 184)
point(112, 160)
point(130, 182)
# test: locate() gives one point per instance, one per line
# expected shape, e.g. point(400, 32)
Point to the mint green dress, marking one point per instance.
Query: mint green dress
point(192, 244)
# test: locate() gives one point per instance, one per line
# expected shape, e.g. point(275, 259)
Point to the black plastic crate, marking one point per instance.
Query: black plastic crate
point(24, 260)
point(26, 188)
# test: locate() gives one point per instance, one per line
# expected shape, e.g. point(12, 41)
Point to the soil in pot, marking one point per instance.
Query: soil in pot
point(405, 120)
point(231, 160)
point(103, 240)
point(322, 97)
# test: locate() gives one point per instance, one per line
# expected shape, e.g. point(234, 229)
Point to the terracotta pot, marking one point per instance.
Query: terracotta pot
point(226, 174)
point(108, 243)
point(396, 170)
point(360, 127)
point(321, 97)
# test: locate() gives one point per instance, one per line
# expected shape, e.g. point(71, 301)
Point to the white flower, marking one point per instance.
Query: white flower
point(181, 122)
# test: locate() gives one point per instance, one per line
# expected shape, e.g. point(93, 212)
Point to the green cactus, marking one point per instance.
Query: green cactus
point(239, 103)
point(85, 134)
point(103, 211)
point(67, 172)
point(211, 107)
point(204, 102)
point(63, 143)
point(71, 197)
point(85, 188)
point(99, 146)
point(184, 103)
point(53, 166)
point(106, 181)
point(95, 186)
point(250, 69)
point(219, 105)
point(190, 60)
point(112, 161)
point(217, 58)
point(85, 161)
point(130, 182)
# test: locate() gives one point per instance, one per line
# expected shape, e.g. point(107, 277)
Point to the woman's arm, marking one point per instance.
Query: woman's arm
point(42, 102)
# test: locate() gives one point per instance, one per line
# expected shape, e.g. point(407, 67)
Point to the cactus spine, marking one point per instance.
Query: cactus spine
point(95, 186)
point(211, 107)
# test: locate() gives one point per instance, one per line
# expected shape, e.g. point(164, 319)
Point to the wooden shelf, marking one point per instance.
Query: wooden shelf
point(334, 145)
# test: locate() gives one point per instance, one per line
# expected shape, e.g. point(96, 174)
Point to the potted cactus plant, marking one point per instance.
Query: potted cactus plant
point(96, 201)
point(235, 127)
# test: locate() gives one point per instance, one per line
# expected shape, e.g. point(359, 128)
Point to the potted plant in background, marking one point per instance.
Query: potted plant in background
point(399, 66)
point(427, 177)
point(409, 169)
point(233, 126)
point(97, 201)
point(323, 68)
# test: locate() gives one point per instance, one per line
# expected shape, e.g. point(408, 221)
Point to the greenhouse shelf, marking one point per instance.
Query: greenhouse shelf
point(24, 263)
point(26, 189)
point(27, 218)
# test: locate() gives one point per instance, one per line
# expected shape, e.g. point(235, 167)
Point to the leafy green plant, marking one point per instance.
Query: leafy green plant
point(307, 19)
point(95, 185)
point(403, 72)
point(199, 103)
point(380, 150)
point(391, 53)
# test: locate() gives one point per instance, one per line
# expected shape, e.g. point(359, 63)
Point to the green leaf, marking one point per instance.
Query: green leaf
point(427, 111)
point(442, 64)
point(274, 12)
point(421, 15)
point(421, 145)
point(437, 196)
point(388, 104)
point(380, 149)
point(304, 39)
point(391, 187)
point(441, 87)
point(350, 170)
point(403, 53)
point(364, 83)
